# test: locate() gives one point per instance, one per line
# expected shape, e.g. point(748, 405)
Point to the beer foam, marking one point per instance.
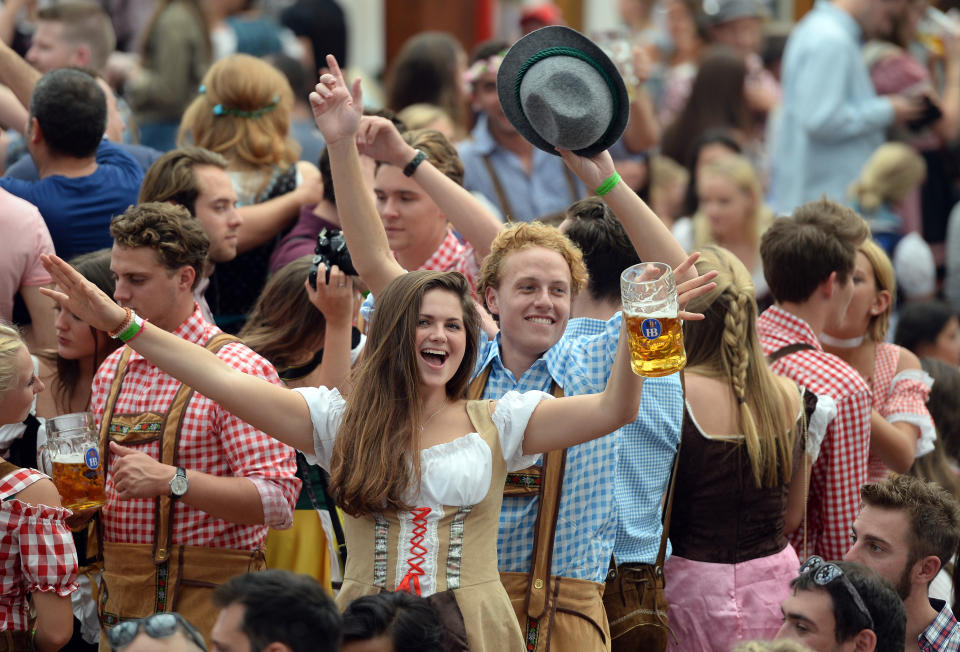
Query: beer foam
point(69, 458)
point(647, 315)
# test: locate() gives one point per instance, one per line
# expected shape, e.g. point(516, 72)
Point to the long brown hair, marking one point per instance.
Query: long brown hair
point(725, 345)
point(376, 458)
point(283, 324)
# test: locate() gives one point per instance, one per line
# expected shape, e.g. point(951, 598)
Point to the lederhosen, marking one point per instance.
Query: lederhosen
point(13, 640)
point(555, 613)
point(142, 578)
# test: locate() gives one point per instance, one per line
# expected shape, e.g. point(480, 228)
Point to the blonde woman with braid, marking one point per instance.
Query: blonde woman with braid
point(740, 485)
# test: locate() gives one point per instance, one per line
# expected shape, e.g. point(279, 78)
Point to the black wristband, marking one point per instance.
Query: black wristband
point(412, 165)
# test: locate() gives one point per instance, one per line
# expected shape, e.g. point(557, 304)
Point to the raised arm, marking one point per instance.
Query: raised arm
point(263, 221)
point(337, 111)
point(573, 420)
point(17, 74)
point(379, 139)
point(278, 411)
point(651, 239)
point(336, 301)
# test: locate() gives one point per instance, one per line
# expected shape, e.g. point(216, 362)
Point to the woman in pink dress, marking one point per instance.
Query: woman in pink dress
point(901, 428)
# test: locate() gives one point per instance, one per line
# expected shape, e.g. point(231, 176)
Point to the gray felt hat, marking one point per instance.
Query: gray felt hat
point(558, 88)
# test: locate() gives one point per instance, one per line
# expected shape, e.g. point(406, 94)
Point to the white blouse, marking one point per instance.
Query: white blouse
point(457, 472)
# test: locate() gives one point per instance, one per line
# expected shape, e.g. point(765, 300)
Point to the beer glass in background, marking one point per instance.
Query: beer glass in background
point(71, 457)
point(650, 315)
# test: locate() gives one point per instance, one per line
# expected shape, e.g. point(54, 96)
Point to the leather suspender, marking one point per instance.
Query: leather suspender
point(546, 482)
point(502, 195)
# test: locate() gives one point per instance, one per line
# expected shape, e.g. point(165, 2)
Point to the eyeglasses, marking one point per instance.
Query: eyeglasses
point(162, 625)
point(824, 573)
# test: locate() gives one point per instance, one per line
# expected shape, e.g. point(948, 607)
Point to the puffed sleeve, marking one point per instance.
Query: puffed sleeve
point(824, 413)
point(907, 402)
point(326, 412)
point(48, 557)
point(511, 416)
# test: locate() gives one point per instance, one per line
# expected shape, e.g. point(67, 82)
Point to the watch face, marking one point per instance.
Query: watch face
point(178, 486)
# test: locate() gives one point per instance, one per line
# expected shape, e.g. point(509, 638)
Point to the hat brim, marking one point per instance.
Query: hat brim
point(559, 36)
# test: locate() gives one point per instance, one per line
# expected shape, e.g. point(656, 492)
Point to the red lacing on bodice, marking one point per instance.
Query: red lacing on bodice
point(411, 581)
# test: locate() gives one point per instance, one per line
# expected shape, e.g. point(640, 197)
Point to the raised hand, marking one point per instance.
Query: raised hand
point(76, 294)
point(336, 109)
point(690, 290)
point(334, 298)
point(379, 139)
point(592, 171)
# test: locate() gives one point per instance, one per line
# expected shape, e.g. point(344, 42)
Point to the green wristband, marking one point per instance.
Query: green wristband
point(131, 331)
point(609, 184)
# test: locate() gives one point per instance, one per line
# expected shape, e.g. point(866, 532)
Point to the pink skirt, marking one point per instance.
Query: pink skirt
point(713, 606)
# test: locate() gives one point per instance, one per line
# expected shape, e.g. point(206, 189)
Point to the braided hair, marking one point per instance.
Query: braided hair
point(725, 345)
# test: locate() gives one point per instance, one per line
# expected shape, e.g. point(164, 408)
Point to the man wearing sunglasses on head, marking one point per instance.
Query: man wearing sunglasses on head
point(907, 530)
point(161, 632)
point(842, 607)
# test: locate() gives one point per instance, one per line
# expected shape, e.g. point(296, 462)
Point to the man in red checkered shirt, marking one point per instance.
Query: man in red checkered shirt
point(191, 489)
point(808, 261)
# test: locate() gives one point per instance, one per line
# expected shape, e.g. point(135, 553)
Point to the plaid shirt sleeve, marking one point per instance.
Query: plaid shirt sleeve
point(840, 472)
point(269, 464)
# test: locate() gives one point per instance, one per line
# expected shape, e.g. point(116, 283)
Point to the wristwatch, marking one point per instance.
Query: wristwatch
point(179, 484)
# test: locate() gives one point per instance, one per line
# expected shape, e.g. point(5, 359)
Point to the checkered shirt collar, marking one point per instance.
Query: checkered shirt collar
point(793, 328)
point(551, 358)
point(193, 329)
point(943, 634)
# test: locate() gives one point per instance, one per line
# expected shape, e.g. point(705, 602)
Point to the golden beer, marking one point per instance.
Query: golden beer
point(656, 345)
point(80, 486)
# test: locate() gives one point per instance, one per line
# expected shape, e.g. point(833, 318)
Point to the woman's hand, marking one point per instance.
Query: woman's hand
point(336, 109)
point(592, 171)
point(81, 297)
point(379, 139)
point(695, 287)
point(334, 298)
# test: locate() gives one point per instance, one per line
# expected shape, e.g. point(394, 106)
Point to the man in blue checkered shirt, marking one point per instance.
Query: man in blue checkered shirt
point(907, 531)
point(528, 283)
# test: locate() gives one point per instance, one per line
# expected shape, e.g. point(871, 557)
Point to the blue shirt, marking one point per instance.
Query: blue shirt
point(78, 210)
point(544, 191)
point(831, 118)
point(588, 524)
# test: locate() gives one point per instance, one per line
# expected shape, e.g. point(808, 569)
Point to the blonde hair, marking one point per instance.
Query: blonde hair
point(10, 345)
point(422, 115)
point(724, 345)
point(885, 279)
point(527, 235)
point(739, 171)
point(889, 175)
point(243, 113)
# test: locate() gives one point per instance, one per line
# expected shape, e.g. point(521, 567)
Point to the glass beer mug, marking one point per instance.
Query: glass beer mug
point(650, 315)
point(71, 457)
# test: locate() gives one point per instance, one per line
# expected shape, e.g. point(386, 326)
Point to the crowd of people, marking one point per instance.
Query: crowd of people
point(358, 363)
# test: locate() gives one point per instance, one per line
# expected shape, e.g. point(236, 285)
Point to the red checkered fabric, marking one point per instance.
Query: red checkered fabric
point(897, 397)
point(36, 551)
point(834, 494)
point(211, 441)
point(454, 256)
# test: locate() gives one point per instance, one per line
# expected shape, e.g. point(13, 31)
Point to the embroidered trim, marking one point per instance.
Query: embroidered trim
point(455, 550)
point(526, 480)
point(418, 553)
point(162, 577)
point(381, 529)
point(533, 633)
point(122, 429)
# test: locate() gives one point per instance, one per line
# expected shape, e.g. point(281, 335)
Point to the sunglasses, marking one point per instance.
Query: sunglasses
point(825, 573)
point(163, 625)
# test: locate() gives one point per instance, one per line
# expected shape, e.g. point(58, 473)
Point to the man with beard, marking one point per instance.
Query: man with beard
point(906, 531)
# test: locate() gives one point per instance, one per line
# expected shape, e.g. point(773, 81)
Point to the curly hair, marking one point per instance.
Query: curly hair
point(170, 230)
point(527, 235)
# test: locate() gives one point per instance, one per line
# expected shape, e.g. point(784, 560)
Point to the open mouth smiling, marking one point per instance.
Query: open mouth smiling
point(434, 357)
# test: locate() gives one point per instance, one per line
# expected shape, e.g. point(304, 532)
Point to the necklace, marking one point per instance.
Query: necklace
point(424, 424)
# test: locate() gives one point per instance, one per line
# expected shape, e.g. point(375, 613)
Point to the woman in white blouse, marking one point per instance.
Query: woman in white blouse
point(418, 469)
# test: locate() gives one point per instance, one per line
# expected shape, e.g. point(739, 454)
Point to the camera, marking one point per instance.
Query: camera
point(331, 250)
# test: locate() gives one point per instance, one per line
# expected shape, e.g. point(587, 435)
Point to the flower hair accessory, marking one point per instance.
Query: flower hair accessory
point(481, 67)
point(221, 110)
